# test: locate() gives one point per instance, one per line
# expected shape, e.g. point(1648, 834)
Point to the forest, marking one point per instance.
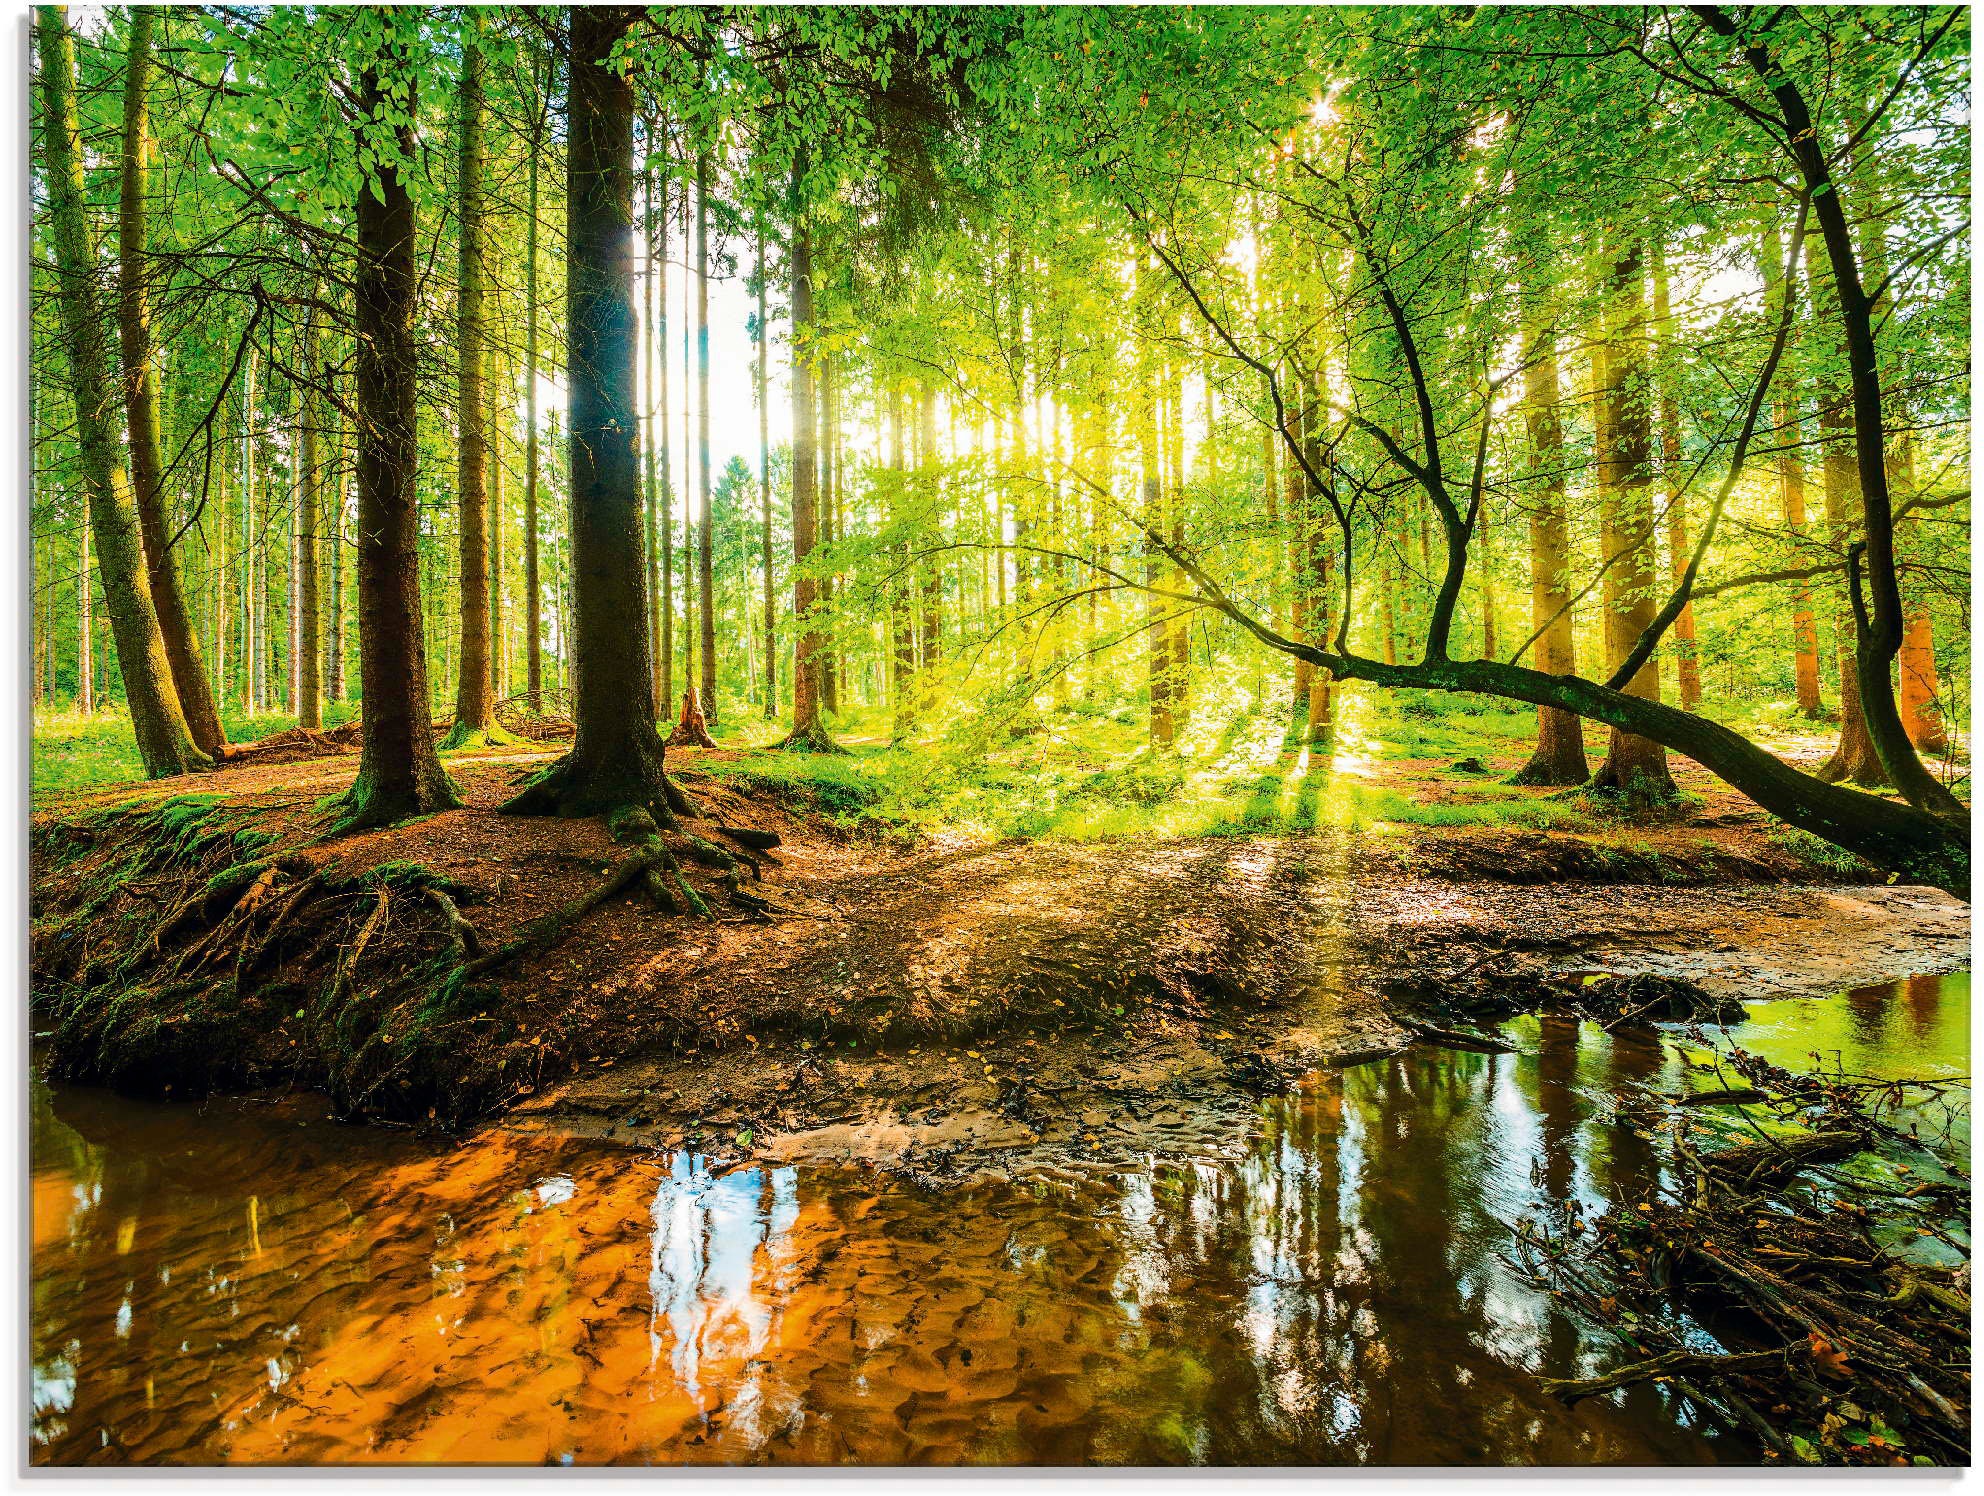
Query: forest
point(689, 571)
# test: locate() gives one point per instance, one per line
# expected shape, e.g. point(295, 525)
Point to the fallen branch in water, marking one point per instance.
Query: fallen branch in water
point(1865, 1354)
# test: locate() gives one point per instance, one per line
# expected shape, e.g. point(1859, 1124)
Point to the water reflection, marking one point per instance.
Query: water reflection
point(236, 1286)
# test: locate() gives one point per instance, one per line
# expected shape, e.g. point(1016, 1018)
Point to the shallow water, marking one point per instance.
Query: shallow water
point(234, 1284)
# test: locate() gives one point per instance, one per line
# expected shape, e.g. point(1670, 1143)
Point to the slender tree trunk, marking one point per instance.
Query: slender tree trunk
point(1687, 661)
point(765, 493)
point(1559, 757)
point(1855, 760)
point(705, 588)
point(134, 326)
point(533, 594)
point(1921, 711)
point(165, 743)
point(475, 694)
point(665, 541)
point(1634, 765)
point(617, 757)
point(654, 425)
point(399, 773)
point(1791, 491)
point(251, 637)
point(829, 401)
point(807, 732)
point(1317, 561)
point(933, 575)
point(902, 615)
point(307, 655)
point(334, 656)
point(85, 624)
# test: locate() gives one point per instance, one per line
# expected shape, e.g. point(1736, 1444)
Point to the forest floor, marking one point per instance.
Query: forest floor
point(932, 999)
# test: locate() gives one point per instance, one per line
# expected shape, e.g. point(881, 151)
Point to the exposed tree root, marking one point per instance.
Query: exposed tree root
point(812, 738)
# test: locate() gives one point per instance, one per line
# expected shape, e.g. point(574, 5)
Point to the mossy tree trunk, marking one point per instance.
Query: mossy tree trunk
point(165, 742)
point(141, 396)
point(399, 773)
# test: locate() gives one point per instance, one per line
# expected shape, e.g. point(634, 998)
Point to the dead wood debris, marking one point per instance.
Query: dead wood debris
point(1840, 1296)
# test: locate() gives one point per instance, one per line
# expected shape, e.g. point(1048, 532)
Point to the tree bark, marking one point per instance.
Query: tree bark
point(1855, 759)
point(165, 743)
point(533, 594)
point(1791, 491)
point(134, 327)
point(309, 501)
point(1687, 662)
point(475, 693)
point(807, 735)
point(705, 588)
point(617, 756)
point(654, 422)
point(399, 773)
point(765, 494)
point(1635, 766)
point(1559, 756)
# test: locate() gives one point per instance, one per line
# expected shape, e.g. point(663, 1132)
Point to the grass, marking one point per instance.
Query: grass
point(1085, 775)
point(85, 750)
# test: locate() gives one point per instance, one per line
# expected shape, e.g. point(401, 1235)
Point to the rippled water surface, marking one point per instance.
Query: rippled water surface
point(233, 1285)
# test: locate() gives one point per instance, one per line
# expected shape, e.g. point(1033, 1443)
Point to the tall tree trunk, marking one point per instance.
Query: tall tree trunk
point(134, 327)
point(1295, 503)
point(1855, 760)
point(765, 493)
point(1921, 710)
point(705, 589)
point(829, 507)
point(617, 757)
point(1317, 560)
point(1635, 766)
point(933, 575)
point(1150, 459)
point(399, 773)
point(1687, 661)
point(1791, 492)
point(807, 732)
point(249, 577)
point(309, 620)
point(165, 743)
point(654, 422)
point(85, 623)
point(475, 693)
point(334, 655)
point(902, 613)
point(533, 593)
point(664, 682)
point(1559, 757)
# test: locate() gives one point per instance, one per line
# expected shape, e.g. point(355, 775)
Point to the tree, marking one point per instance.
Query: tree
point(475, 695)
point(165, 742)
point(141, 397)
point(617, 759)
point(809, 734)
point(399, 772)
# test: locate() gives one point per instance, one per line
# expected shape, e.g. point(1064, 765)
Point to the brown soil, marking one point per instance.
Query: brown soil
point(930, 1005)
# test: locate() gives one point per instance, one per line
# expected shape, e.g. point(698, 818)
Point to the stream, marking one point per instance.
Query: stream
point(247, 1282)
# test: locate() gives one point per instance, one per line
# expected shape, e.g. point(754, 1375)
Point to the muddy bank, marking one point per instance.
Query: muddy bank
point(934, 1005)
point(1189, 1087)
